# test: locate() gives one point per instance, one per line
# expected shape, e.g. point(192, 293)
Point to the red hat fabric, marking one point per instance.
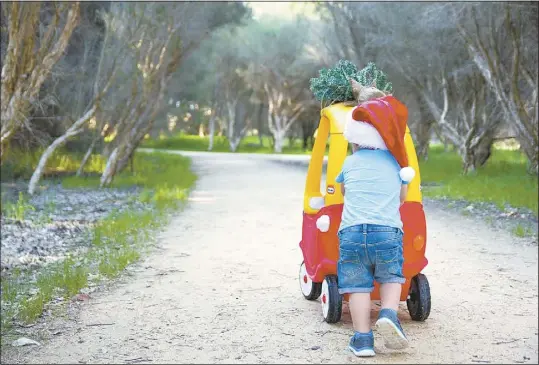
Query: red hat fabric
point(388, 115)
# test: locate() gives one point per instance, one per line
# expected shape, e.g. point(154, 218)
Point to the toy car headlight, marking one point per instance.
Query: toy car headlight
point(419, 242)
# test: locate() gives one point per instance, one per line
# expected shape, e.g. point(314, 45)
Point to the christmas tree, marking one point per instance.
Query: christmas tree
point(333, 85)
point(372, 76)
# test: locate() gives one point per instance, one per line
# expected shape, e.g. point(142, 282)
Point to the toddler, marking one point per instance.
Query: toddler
point(374, 183)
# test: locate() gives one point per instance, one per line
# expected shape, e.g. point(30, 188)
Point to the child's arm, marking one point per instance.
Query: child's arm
point(406, 174)
point(404, 192)
point(340, 180)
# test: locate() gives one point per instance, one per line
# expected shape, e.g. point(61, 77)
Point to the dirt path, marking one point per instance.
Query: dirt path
point(223, 288)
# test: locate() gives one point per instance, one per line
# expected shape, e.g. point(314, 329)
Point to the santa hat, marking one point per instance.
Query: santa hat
point(381, 123)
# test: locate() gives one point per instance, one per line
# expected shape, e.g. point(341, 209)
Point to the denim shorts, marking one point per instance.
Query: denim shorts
point(369, 252)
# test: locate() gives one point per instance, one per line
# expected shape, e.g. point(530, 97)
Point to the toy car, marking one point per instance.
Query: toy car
point(322, 216)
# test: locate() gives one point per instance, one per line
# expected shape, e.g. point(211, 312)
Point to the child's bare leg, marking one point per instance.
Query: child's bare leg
point(390, 294)
point(388, 324)
point(388, 272)
point(360, 310)
point(362, 342)
point(356, 278)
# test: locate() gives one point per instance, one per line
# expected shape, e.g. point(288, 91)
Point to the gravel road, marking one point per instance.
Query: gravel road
point(222, 287)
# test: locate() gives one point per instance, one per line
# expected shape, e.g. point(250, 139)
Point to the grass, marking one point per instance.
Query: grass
point(65, 279)
point(18, 209)
point(520, 231)
point(117, 240)
point(19, 164)
point(502, 181)
point(250, 144)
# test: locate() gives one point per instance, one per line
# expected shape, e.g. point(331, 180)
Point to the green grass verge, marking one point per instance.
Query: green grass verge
point(502, 181)
point(118, 240)
point(250, 144)
point(21, 164)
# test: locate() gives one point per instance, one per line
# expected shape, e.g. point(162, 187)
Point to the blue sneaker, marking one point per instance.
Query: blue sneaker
point(362, 344)
point(389, 327)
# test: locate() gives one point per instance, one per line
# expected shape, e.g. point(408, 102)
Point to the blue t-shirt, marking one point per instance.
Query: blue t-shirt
point(371, 189)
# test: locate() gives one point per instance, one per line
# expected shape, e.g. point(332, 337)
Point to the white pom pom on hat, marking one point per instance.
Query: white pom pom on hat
point(407, 174)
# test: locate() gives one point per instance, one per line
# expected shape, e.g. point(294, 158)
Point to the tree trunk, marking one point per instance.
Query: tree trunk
point(305, 134)
point(533, 167)
point(86, 157)
point(279, 137)
point(231, 109)
point(474, 157)
point(125, 159)
point(422, 140)
point(423, 132)
point(307, 131)
point(212, 129)
point(128, 150)
point(4, 143)
point(38, 172)
point(260, 125)
point(234, 143)
point(422, 150)
point(531, 150)
point(110, 168)
point(236, 114)
point(512, 100)
point(129, 145)
point(75, 129)
point(24, 70)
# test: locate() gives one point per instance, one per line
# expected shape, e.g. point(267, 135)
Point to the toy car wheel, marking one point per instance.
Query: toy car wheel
point(418, 301)
point(310, 290)
point(331, 300)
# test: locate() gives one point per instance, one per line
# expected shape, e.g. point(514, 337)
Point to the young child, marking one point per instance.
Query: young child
point(374, 183)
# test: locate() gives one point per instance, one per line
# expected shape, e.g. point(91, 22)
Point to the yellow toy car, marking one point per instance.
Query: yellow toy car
point(322, 217)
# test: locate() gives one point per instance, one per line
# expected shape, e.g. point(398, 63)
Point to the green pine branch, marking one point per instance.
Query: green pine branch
point(333, 86)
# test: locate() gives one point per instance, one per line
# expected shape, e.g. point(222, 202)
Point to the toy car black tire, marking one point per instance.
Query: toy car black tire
point(418, 301)
point(331, 300)
point(309, 289)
